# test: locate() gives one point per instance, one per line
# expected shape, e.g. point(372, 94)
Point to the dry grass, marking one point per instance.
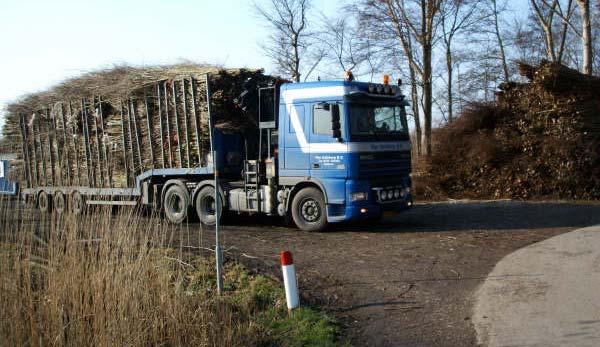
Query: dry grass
point(115, 279)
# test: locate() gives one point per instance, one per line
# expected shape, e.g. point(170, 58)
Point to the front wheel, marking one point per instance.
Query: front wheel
point(205, 206)
point(308, 210)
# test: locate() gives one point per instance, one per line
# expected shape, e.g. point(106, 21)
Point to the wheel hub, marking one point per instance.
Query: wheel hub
point(310, 210)
point(209, 204)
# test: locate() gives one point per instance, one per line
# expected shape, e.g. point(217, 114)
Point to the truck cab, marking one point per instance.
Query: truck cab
point(343, 152)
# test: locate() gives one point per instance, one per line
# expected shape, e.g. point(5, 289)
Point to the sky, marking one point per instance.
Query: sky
point(43, 42)
point(46, 41)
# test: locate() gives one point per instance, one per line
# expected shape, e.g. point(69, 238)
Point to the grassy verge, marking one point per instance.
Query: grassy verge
point(106, 279)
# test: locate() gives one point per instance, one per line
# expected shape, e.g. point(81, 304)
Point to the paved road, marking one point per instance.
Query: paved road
point(409, 280)
point(546, 294)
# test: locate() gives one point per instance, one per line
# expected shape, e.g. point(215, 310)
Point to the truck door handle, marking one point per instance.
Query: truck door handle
point(316, 166)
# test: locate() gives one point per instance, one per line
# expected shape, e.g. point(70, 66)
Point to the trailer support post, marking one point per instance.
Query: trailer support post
point(160, 126)
point(194, 115)
point(165, 92)
point(186, 124)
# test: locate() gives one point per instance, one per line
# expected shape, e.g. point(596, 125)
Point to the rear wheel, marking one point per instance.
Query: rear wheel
point(308, 210)
point(176, 203)
point(205, 206)
point(77, 203)
point(44, 202)
point(60, 203)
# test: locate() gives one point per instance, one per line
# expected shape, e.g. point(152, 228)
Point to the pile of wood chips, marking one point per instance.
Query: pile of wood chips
point(539, 140)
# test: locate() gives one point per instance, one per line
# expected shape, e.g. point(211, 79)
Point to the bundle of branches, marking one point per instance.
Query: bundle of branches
point(103, 128)
point(540, 139)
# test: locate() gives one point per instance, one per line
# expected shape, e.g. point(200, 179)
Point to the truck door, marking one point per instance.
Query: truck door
point(327, 153)
point(295, 144)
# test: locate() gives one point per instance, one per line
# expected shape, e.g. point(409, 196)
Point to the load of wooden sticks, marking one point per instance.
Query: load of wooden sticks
point(104, 128)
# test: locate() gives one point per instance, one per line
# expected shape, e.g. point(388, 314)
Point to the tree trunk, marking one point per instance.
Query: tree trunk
point(449, 69)
point(427, 95)
point(500, 43)
point(414, 94)
point(586, 35)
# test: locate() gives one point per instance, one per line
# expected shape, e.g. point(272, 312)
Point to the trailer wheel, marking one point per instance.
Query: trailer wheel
point(205, 206)
point(44, 202)
point(77, 203)
point(60, 203)
point(308, 210)
point(176, 204)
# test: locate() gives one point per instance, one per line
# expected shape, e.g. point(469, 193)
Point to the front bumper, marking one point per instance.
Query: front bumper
point(362, 210)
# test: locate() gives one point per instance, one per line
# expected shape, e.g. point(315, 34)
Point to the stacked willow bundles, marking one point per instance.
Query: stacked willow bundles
point(541, 139)
point(104, 128)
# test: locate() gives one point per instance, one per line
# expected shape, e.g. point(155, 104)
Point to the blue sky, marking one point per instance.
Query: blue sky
point(44, 42)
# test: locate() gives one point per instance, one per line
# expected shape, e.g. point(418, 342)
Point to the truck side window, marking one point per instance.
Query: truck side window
point(321, 121)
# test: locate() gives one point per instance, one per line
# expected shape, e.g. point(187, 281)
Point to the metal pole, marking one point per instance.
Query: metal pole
point(170, 157)
point(218, 254)
point(148, 124)
point(185, 123)
point(124, 143)
point(175, 113)
point(160, 125)
point(195, 116)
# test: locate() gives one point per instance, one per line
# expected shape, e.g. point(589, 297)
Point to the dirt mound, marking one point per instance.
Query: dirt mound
point(540, 139)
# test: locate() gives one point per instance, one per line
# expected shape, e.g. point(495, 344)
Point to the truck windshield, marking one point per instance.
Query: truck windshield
point(377, 123)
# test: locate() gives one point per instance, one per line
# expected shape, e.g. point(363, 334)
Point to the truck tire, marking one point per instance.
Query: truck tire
point(60, 203)
point(308, 210)
point(44, 202)
point(77, 203)
point(205, 205)
point(176, 203)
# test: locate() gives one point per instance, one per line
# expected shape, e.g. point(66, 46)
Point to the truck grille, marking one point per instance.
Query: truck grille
point(378, 164)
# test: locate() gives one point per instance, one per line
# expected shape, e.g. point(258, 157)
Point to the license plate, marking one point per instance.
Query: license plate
point(390, 213)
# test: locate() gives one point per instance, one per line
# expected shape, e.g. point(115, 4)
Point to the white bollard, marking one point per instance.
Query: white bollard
point(289, 280)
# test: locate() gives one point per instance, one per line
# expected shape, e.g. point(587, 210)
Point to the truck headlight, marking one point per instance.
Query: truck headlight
point(396, 193)
point(383, 195)
point(358, 196)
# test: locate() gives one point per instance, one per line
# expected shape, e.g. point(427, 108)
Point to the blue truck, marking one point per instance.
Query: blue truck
point(328, 152)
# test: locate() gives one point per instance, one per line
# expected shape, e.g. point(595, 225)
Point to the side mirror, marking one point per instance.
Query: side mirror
point(323, 106)
point(336, 126)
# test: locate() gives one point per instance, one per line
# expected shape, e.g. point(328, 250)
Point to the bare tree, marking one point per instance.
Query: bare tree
point(418, 18)
point(586, 35)
point(389, 39)
point(495, 17)
point(545, 12)
point(456, 16)
point(290, 41)
point(342, 42)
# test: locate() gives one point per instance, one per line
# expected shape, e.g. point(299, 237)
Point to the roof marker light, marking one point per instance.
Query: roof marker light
point(349, 76)
point(386, 79)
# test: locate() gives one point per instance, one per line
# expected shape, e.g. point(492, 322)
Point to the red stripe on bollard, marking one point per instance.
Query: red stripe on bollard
point(286, 258)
